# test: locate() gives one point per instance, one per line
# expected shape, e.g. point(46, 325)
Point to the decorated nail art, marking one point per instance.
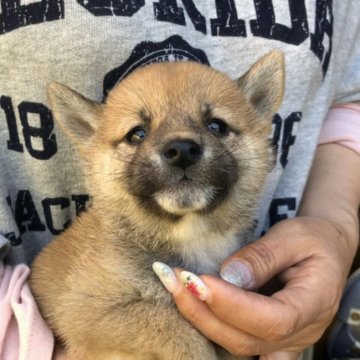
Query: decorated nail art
point(166, 275)
point(194, 284)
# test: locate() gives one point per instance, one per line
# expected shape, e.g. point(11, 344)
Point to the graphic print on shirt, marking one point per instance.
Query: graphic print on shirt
point(228, 22)
point(13, 15)
point(37, 126)
point(281, 209)
point(147, 52)
point(27, 214)
point(284, 135)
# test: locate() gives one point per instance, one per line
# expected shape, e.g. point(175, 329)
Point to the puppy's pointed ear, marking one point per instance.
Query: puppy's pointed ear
point(77, 116)
point(263, 84)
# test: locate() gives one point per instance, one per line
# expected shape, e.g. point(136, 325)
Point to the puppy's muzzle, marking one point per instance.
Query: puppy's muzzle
point(181, 153)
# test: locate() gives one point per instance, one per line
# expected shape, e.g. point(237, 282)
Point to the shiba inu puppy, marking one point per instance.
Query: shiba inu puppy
point(175, 161)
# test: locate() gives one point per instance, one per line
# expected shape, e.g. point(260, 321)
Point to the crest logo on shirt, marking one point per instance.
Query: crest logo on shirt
point(175, 48)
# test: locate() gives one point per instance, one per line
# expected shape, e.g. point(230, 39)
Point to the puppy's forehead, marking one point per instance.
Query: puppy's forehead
point(158, 87)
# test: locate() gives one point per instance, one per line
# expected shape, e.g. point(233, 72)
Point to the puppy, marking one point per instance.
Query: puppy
point(174, 161)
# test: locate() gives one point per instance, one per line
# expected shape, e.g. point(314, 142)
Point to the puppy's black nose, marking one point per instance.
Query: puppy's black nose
point(182, 153)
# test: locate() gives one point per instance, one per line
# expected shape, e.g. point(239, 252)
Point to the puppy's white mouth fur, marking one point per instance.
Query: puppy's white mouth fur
point(182, 198)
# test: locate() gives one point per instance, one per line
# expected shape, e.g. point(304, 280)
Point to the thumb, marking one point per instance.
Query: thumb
point(257, 263)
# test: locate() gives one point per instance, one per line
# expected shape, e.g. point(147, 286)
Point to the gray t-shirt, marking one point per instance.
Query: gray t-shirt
point(90, 45)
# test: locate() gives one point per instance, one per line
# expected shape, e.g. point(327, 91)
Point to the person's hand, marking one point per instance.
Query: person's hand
point(312, 260)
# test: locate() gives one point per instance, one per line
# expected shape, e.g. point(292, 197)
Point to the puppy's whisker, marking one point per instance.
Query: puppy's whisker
point(136, 163)
point(225, 171)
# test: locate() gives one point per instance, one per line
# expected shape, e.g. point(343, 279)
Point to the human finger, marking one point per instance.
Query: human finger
point(228, 333)
point(192, 304)
point(286, 244)
point(269, 318)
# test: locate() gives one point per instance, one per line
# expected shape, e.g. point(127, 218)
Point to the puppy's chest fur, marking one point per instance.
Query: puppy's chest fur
point(201, 249)
point(191, 244)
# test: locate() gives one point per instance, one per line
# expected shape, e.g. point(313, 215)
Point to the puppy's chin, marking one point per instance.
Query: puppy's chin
point(183, 198)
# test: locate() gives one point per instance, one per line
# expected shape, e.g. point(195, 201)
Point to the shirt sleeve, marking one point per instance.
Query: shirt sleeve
point(348, 86)
point(342, 126)
point(24, 334)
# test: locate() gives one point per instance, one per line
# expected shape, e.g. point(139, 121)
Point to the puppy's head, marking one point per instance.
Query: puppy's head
point(175, 139)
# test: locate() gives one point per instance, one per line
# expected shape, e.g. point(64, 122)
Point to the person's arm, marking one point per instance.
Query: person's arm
point(333, 194)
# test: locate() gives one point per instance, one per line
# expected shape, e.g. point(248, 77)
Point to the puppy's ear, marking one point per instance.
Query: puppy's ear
point(263, 84)
point(77, 116)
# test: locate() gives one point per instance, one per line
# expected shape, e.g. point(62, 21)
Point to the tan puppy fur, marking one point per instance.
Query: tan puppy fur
point(175, 161)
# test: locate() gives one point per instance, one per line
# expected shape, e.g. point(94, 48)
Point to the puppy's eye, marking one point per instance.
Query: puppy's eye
point(217, 127)
point(136, 135)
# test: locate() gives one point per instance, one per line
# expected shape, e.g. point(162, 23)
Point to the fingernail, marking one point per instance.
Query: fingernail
point(166, 275)
point(195, 285)
point(237, 273)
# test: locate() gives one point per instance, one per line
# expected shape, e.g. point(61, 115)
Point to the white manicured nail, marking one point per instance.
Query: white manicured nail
point(166, 275)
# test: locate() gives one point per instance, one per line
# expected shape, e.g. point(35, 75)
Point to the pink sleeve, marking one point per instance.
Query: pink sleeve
point(342, 126)
point(24, 334)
